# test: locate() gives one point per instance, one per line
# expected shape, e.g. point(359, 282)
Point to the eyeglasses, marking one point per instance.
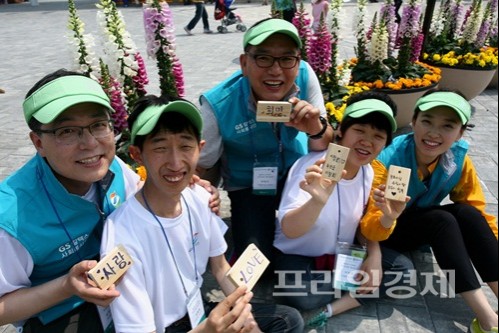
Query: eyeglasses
point(267, 61)
point(69, 135)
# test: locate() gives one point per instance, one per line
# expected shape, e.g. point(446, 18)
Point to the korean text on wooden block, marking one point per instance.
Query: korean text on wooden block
point(336, 158)
point(397, 183)
point(277, 112)
point(111, 267)
point(248, 268)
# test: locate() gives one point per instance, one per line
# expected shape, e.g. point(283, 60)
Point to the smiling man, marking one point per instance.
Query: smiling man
point(254, 157)
point(54, 206)
point(173, 237)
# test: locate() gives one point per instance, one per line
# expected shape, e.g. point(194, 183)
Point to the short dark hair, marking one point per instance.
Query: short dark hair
point(172, 122)
point(373, 118)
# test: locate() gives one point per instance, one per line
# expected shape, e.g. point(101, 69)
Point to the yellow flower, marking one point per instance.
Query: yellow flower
point(141, 171)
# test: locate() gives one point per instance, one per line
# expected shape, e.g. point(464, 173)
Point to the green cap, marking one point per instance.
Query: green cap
point(260, 32)
point(449, 99)
point(54, 97)
point(366, 106)
point(147, 120)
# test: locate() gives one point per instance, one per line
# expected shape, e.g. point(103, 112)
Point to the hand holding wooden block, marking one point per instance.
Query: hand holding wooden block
point(336, 158)
point(248, 268)
point(397, 183)
point(276, 112)
point(110, 268)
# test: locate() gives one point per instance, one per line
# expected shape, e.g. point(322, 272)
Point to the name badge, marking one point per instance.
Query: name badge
point(195, 308)
point(265, 179)
point(349, 259)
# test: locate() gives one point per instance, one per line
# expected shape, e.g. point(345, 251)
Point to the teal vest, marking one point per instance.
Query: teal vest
point(246, 140)
point(33, 205)
point(402, 152)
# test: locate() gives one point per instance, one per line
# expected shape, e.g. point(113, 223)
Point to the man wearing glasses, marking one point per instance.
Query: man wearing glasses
point(254, 157)
point(53, 207)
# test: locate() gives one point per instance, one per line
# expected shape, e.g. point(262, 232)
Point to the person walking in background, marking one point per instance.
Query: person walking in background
point(287, 8)
point(200, 13)
point(320, 9)
point(462, 236)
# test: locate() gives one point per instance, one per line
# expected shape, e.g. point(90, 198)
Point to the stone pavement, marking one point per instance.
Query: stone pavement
point(33, 43)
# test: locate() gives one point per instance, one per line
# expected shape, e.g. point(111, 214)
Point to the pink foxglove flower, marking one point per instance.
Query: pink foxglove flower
point(302, 23)
point(160, 40)
point(409, 31)
point(113, 90)
point(319, 54)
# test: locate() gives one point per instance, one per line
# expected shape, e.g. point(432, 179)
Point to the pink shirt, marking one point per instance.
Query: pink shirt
point(318, 7)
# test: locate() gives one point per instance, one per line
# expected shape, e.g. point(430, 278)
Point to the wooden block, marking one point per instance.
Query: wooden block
point(111, 267)
point(397, 183)
point(336, 158)
point(276, 112)
point(248, 268)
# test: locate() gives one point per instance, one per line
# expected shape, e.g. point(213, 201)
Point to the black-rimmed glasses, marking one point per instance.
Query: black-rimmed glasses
point(267, 61)
point(69, 135)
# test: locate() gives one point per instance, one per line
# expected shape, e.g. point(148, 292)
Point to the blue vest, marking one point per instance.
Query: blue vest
point(402, 152)
point(33, 204)
point(245, 140)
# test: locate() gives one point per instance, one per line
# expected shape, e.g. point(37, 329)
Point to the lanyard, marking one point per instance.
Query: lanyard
point(339, 203)
point(59, 219)
point(168, 241)
point(277, 132)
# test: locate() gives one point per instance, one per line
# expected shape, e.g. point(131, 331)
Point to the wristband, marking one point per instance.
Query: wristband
point(323, 130)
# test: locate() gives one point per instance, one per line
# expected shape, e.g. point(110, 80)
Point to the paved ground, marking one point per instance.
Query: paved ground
point(33, 43)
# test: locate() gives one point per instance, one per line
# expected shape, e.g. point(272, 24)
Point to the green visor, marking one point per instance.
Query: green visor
point(53, 98)
point(449, 99)
point(259, 33)
point(148, 119)
point(366, 106)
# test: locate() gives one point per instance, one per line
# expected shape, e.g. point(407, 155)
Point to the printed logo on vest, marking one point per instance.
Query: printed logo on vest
point(114, 199)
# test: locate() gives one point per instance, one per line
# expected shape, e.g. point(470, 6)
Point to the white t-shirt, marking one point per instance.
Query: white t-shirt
point(152, 295)
point(333, 224)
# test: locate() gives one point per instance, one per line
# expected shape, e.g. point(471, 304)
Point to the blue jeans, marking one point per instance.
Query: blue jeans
point(271, 318)
point(316, 290)
point(200, 13)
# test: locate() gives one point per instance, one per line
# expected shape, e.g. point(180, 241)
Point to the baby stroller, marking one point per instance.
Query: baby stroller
point(226, 15)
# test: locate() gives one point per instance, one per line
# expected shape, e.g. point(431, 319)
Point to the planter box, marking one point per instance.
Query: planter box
point(405, 100)
point(470, 82)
